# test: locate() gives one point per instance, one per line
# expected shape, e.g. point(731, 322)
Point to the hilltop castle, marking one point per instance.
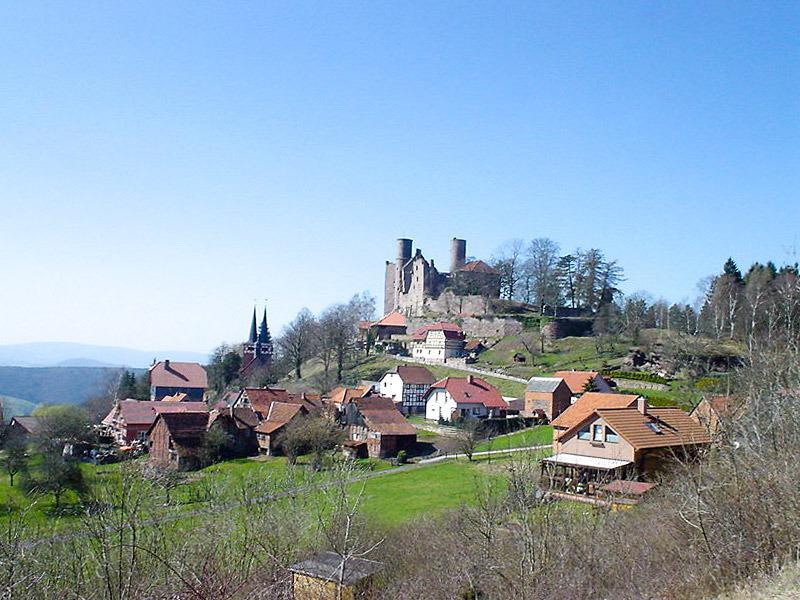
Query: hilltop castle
point(413, 281)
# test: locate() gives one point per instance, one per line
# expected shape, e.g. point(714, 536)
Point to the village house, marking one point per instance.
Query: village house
point(438, 342)
point(714, 412)
point(454, 398)
point(546, 397)
point(268, 431)
point(391, 324)
point(168, 378)
point(473, 348)
point(261, 399)
point(329, 576)
point(597, 441)
point(129, 420)
point(176, 438)
point(583, 381)
point(24, 427)
point(406, 386)
point(342, 395)
point(376, 421)
point(239, 424)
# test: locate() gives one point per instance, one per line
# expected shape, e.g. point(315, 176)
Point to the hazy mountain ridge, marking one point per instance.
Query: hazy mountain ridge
point(67, 354)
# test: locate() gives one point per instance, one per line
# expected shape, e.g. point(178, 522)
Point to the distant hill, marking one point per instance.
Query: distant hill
point(56, 385)
point(56, 354)
point(16, 407)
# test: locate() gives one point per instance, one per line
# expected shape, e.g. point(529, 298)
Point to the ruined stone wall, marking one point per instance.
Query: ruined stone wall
point(450, 304)
point(491, 327)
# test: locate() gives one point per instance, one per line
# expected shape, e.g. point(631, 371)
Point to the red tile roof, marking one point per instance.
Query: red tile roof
point(279, 415)
point(393, 319)
point(343, 395)
point(477, 266)
point(451, 331)
point(576, 380)
point(178, 374)
point(471, 390)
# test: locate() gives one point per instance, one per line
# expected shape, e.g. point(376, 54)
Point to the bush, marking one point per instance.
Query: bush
point(402, 457)
point(637, 376)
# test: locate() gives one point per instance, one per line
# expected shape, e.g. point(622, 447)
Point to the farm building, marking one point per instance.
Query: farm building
point(329, 576)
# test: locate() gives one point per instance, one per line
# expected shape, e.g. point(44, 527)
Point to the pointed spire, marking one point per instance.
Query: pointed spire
point(263, 333)
point(253, 332)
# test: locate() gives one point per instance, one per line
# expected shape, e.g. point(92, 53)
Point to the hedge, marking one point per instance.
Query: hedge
point(637, 376)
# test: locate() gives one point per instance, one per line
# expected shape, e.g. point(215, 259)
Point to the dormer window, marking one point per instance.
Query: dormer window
point(597, 433)
point(583, 433)
point(611, 435)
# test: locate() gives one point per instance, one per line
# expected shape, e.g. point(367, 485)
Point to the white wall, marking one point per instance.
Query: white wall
point(439, 404)
point(391, 386)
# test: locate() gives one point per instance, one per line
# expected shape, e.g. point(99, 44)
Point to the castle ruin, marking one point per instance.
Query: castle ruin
point(412, 282)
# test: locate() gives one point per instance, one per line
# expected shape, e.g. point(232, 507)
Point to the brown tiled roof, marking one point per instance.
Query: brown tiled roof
point(576, 380)
point(472, 390)
point(179, 397)
point(657, 428)
point(179, 374)
point(381, 415)
point(280, 411)
point(414, 374)
point(477, 266)
point(627, 487)
point(30, 424)
point(723, 405)
point(472, 345)
point(343, 395)
point(144, 412)
point(186, 429)
point(243, 417)
point(587, 404)
point(451, 331)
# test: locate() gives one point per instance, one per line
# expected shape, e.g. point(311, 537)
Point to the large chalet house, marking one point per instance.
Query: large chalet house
point(391, 324)
point(168, 378)
point(438, 342)
point(130, 420)
point(607, 437)
point(374, 421)
point(454, 398)
point(546, 397)
point(406, 386)
point(583, 381)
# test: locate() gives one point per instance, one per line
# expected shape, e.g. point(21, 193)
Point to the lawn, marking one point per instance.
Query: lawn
point(392, 499)
point(536, 436)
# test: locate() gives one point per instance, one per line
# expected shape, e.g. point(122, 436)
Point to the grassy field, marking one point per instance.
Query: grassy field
point(519, 439)
point(427, 490)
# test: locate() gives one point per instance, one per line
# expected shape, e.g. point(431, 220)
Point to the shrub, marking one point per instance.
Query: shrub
point(637, 376)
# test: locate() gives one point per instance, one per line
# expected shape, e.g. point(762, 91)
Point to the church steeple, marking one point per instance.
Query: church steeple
point(253, 332)
point(264, 337)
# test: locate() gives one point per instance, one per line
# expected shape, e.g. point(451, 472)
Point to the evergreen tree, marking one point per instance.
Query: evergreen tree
point(730, 269)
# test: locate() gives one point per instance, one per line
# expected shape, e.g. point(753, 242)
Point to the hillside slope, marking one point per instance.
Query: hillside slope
point(16, 407)
point(55, 385)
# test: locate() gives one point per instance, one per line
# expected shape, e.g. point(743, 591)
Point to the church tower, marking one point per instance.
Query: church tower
point(257, 351)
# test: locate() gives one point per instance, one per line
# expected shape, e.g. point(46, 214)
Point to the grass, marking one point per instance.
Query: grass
point(536, 436)
point(429, 490)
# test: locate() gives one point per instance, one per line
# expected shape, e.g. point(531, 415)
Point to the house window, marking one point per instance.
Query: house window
point(611, 435)
point(583, 434)
point(597, 433)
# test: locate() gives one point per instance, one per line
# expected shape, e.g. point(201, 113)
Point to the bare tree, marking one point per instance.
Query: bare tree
point(508, 261)
point(542, 268)
point(297, 340)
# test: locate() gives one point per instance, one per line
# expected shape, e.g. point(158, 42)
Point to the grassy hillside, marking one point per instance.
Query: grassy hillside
point(55, 385)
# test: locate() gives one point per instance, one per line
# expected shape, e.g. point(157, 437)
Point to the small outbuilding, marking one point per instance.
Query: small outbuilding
point(330, 576)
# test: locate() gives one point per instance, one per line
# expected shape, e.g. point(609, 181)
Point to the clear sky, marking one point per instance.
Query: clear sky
point(163, 164)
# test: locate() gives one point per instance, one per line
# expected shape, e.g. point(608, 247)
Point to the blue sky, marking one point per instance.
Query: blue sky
point(162, 165)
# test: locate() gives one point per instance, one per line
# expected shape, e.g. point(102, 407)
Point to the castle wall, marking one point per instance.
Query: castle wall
point(450, 303)
point(388, 289)
point(491, 327)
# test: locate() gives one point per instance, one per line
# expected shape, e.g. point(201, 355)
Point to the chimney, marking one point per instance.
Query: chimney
point(470, 379)
point(166, 364)
point(641, 405)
